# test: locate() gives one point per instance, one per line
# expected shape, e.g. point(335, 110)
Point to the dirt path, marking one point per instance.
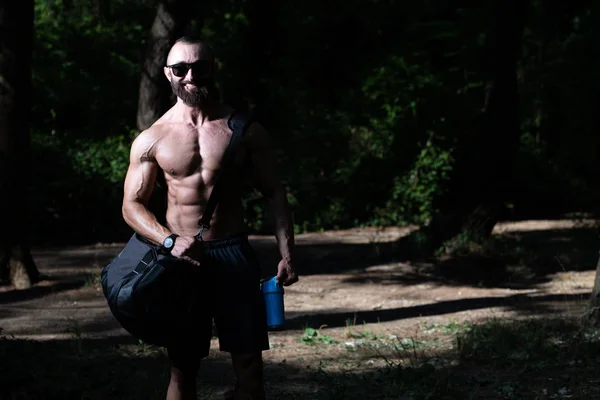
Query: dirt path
point(344, 291)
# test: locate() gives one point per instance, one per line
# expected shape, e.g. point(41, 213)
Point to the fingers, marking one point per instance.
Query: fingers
point(188, 249)
point(286, 278)
point(191, 261)
point(290, 280)
point(281, 278)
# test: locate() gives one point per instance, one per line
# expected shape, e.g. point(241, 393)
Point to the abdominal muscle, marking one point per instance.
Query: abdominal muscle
point(187, 198)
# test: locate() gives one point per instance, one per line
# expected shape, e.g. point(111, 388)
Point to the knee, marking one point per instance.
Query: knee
point(183, 375)
point(184, 364)
point(249, 373)
point(247, 361)
point(248, 368)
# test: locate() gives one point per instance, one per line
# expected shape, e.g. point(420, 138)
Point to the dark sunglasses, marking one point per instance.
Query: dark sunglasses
point(199, 68)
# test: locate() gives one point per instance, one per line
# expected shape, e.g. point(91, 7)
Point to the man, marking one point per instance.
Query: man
point(186, 145)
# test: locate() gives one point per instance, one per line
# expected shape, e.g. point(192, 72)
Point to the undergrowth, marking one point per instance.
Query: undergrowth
point(498, 359)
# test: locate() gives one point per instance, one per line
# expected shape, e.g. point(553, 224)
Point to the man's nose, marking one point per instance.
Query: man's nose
point(189, 75)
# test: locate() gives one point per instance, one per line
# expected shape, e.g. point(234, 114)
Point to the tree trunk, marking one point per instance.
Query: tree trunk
point(483, 170)
point(172, 17)
point(592, 314)
point(16, 43)
point(263, 48)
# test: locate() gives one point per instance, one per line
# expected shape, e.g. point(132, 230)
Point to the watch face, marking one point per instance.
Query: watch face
point(168, 243)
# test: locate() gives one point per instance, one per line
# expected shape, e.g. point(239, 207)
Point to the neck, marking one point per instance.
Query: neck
point(196, 116)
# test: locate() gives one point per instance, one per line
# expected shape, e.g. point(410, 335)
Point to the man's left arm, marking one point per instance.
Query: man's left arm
point(269, 184)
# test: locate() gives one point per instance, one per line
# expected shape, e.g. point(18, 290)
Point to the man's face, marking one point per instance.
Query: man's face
point(191, 76)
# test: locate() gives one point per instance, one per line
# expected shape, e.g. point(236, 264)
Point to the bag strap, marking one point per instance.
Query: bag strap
point(150, 256)
point(238, 122)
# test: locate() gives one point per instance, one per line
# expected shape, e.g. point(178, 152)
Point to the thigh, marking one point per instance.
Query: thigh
point(239, 307)
point(190, 317)
point(186, 355)
point(190, 341)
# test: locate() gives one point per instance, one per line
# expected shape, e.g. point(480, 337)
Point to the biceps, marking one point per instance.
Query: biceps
point(139, 182)
point(265, 176)
point(263, 162)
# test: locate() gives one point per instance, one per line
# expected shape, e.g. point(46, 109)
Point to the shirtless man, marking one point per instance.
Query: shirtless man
point(186, 145)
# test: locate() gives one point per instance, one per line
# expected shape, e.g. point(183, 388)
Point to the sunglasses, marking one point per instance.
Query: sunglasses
point(199, 68)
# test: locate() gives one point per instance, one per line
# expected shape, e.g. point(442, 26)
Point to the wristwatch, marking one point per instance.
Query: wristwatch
point(169, 242)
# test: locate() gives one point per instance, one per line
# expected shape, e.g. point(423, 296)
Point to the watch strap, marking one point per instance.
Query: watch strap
point(172, 236)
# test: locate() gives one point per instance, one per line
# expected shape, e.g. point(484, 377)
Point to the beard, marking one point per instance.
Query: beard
point(203, 95)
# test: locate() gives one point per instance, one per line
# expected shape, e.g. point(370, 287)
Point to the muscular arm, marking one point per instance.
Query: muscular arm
point(267, 181)
point(139, 184)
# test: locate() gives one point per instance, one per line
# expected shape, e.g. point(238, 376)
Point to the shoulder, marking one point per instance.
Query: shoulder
point(145, 144)
point(157, 130)
point(253, 130)
point(256, 132)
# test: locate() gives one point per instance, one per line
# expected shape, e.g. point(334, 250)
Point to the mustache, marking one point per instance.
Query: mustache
point(199, 82)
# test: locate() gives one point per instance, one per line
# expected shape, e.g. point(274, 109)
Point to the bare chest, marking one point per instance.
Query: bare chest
point(186, 152)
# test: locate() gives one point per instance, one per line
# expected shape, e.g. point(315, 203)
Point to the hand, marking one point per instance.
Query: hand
point(286, 274)
point(188, 248)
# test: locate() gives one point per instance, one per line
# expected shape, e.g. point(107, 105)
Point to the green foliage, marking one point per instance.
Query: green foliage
point(364, 102)
point(452, 327)
point(312, 337)
point(413, 194)
point(106, 158)
point(81, 194)
point(93, 280)
point(538, 358)
point(86, 67)
point(504, 342)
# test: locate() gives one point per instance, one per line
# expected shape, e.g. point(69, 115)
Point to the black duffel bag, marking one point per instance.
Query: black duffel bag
point(153, 295)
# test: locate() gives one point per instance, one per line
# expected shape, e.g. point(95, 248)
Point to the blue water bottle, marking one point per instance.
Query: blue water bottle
point(273, 295)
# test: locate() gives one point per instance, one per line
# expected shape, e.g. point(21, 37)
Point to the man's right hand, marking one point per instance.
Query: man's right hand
point(188, 248)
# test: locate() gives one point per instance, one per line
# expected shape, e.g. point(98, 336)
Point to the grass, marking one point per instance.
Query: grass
point(528, 359)
point(366, 334)
point(76, 369)
point(498, 359)
point(93, 280)
point(312, 337)
point(448, 328)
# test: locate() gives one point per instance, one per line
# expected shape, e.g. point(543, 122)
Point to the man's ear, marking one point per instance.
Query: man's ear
point(167, 72)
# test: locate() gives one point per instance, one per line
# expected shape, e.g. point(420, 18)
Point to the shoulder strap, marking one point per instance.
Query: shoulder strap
point(238, 122)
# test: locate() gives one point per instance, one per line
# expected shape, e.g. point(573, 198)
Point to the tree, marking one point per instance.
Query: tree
point(481, 178)
point(16, 43)
point(592, 314)
point(171, 21)
point(264, 47)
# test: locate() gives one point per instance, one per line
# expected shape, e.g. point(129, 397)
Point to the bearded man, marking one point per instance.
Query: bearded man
point(186, 146)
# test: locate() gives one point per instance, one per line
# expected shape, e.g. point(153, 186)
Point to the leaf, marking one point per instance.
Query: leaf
point(310, 332)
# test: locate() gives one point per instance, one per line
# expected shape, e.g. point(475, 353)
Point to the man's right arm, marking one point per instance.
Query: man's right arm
point(139, 184)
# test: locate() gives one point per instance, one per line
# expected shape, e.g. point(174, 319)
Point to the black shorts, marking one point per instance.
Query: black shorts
point(229, 293)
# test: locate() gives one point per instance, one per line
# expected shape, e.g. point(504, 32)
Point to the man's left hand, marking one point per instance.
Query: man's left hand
point(286, 274)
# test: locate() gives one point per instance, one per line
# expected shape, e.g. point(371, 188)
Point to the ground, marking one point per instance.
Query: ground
point(364, 322)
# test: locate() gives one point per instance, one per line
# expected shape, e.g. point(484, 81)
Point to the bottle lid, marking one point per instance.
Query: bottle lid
point(271, 285)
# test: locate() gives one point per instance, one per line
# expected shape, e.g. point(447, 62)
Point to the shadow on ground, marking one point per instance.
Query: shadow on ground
point(522, 304)
point(516, 260)
point(51, 286)
point(532, 359)
point(61, 270)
